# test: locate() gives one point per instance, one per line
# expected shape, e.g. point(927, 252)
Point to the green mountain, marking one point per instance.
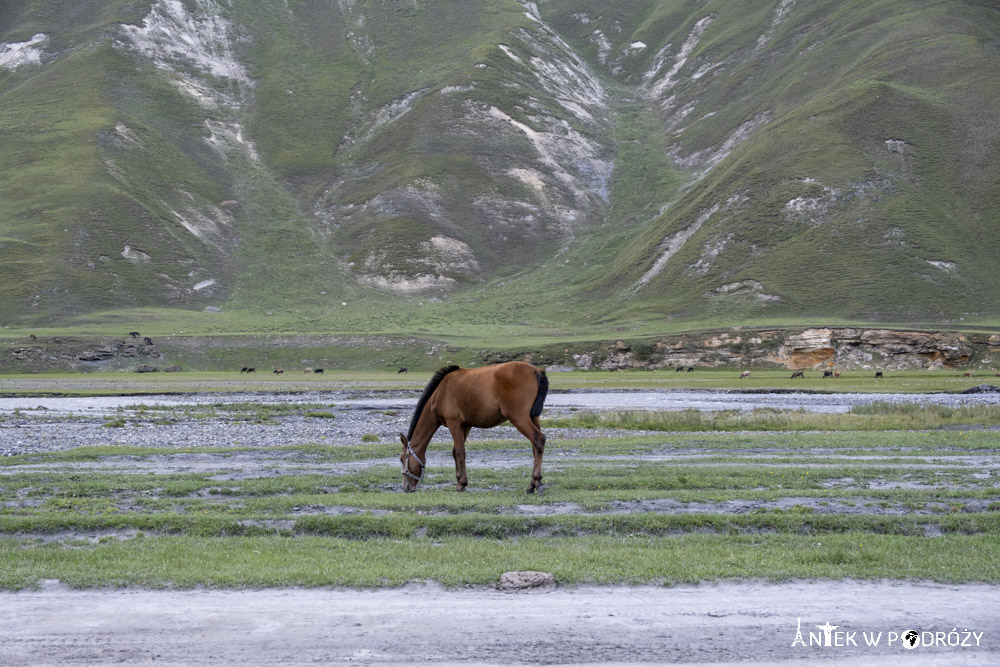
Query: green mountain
point(504, 162)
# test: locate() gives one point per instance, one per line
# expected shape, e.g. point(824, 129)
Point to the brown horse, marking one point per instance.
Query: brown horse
point(460, 398)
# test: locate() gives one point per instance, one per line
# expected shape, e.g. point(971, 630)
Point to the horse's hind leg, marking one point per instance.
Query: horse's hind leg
point(531, 429)
point(459, 434)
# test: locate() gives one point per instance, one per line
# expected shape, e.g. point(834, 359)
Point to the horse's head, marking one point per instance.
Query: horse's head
point(413, 467)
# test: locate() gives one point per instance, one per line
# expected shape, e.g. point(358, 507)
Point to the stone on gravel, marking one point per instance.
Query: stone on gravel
point(526, 579)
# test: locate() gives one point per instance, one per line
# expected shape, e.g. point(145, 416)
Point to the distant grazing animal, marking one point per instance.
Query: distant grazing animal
point(318, 370)
point(279, 371)
point(827, 374)
point(798, 374)
point(967, 374)
point(245, 369)
point(679, 369)
point(147, 340)
point(836, 374)
point(460, 398)
point(252, 369)
point(134, 334)
point(744, 374)
point(401, 370)
point(690, 369)
point(32, 336)
point(878, 374)
point(308, 370)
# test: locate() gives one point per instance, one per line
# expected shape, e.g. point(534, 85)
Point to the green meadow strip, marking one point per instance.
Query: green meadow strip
point(877, 416)
point(454, 561)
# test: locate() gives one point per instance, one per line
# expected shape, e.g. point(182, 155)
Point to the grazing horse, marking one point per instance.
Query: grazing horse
point(799, 374)
point(744, 374)
point(460, 398)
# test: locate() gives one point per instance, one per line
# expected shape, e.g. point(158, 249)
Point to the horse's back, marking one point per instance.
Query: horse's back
point(492, 393)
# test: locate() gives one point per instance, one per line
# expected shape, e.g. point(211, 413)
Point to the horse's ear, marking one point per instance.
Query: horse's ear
point(402, 438)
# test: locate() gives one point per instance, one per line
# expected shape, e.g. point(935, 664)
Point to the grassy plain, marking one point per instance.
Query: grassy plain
point(749, 500)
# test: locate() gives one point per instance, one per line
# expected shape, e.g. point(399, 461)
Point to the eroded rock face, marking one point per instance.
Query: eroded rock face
point(814, 348)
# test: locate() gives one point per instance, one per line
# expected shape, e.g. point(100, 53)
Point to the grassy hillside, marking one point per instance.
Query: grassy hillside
point(649, 164)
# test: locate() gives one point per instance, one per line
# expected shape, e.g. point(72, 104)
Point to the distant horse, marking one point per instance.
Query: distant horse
point(460, 398)
point(878, 374)
point(798, 374)
point(401, 370)
point(744, 374)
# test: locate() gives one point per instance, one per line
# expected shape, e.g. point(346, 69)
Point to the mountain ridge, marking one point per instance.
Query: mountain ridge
point(686, 161)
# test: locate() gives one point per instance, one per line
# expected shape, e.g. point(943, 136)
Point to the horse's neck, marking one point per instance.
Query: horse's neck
point(426, 427)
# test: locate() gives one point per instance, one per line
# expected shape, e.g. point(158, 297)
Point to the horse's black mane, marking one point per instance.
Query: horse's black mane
point(428, 390)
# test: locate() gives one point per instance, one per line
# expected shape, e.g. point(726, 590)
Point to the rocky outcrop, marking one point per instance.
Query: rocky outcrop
point(813, 348)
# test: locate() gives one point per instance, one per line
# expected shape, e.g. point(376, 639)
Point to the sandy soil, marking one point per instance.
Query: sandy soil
point(710, 623)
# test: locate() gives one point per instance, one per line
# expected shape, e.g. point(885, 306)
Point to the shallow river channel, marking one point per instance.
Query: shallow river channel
point(556, 401)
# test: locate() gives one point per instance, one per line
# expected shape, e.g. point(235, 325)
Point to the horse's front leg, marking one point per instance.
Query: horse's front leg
point(459, 434)
point(531, 429)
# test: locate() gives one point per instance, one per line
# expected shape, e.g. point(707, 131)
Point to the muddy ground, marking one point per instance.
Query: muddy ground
point(723, 623)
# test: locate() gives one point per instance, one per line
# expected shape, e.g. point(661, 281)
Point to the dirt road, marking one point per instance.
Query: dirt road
point(711, 623)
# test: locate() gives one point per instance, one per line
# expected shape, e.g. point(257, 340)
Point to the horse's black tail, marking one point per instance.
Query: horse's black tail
point(543, 391)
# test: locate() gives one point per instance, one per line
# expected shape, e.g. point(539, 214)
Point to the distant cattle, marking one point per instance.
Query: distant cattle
point(798, 374)
point(744, 374)
point(401, 370)
point(679, 369)
point(134, 334)
point(836, 374)
point(827, 374)
point(308, 370)
point(32, 336)
point(318, 370)
point(147, 340)
point(248, 369)
point(967, 374)
point(279, 371)
point(690, 369)
point(878, 374)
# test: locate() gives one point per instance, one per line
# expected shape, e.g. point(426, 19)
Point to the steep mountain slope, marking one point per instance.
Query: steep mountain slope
point(842, 157)
point(699, 161)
